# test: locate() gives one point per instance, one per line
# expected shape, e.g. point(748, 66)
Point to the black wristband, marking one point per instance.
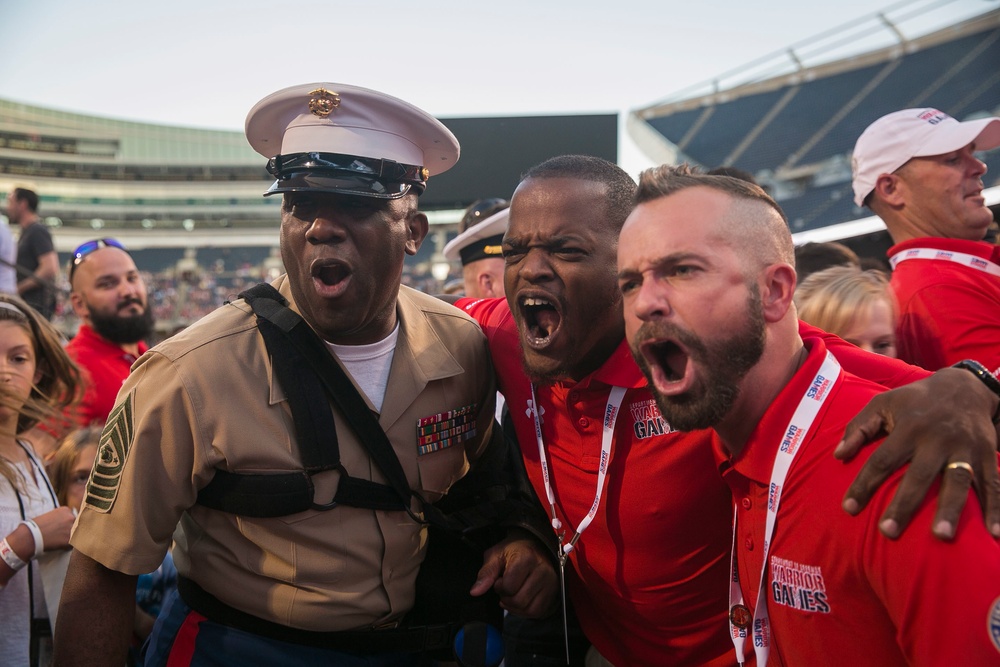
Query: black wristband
point(985, 377)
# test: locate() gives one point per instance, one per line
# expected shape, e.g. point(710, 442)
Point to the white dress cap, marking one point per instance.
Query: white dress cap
point(343, 119)
point(480, 241)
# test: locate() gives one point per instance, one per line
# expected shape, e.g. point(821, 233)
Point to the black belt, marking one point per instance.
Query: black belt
point(395, 640)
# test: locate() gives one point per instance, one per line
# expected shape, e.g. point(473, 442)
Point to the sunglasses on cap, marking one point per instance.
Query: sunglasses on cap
point(85, 249)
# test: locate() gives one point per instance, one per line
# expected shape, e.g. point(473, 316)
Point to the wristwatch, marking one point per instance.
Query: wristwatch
point(984, 376)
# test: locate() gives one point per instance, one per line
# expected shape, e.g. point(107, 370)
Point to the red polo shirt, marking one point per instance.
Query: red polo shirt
point(649, 576)
point(838, 592)
point(105, 366)
point(948, 311)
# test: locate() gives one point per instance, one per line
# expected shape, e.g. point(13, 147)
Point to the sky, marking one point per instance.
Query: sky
point(206, 63)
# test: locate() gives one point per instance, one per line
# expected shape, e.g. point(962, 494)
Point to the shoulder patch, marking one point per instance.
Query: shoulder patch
point(116, 440)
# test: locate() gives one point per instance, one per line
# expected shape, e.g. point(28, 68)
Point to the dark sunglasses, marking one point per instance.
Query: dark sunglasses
point(85, 249)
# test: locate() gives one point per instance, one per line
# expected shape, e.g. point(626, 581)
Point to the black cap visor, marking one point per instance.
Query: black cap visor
point(344, 174)
point(345, 184)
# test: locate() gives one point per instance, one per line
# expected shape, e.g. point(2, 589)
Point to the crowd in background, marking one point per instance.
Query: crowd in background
point(179, 301)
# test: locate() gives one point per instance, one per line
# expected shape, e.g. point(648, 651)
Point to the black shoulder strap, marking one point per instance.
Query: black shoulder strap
point(282, 494)
point(308, 373)
point(310, 409)
point(272, 310)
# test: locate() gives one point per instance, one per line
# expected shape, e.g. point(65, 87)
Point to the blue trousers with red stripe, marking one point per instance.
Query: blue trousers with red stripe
point(185, 638)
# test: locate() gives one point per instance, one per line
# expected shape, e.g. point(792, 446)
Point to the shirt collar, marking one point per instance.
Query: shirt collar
point(620, 369)
point(756, 460)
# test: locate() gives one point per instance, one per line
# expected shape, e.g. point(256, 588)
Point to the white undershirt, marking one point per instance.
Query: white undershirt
point(369, 365)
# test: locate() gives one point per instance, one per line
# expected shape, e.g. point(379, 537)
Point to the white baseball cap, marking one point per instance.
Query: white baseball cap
point(480, 241)
point(333, 137)
point(892, 140)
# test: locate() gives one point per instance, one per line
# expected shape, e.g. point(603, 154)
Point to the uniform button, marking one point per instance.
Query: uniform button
point(583, 422)
point(746, 503)
point(748, 543)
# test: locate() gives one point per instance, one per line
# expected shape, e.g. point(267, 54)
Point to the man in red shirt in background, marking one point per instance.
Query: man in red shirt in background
point(917, 170)
point(109, 296)
point(648, 573)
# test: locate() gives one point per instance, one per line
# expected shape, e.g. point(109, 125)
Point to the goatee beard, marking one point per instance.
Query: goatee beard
point(540, 376)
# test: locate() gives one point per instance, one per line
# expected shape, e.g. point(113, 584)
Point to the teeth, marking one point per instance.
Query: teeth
point(535, 301)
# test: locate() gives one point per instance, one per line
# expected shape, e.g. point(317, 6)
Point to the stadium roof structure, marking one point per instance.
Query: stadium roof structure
point(791, 119)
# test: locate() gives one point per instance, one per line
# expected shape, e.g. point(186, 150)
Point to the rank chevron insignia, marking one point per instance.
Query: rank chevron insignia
point(102, 489)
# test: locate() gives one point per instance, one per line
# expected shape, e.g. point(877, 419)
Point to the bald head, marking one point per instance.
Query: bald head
point(109, 295)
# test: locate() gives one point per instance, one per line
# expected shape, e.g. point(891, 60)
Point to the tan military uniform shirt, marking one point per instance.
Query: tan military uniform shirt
point(208, 398)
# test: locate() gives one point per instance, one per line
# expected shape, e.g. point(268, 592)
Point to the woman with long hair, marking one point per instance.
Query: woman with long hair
point(37, 380)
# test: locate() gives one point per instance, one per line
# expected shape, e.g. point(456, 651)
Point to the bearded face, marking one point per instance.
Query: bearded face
point(123, 326)
point(713, 367)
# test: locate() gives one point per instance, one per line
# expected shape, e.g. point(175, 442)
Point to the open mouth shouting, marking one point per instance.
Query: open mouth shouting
point(330, 277)
point(668, 363)
point(540, 321)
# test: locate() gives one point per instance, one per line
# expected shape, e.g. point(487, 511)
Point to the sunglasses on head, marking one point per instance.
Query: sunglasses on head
point(85, 249)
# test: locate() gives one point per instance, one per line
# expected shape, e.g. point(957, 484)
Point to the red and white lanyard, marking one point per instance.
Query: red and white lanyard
point(610, 415)
point(607, 437)
point(792, 439)
point(965, 259)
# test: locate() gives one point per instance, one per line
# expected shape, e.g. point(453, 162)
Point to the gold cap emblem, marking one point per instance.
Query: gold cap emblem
point(322, 102)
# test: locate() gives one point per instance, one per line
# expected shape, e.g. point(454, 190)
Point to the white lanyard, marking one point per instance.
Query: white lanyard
point(792, 440)
point(607, 437)
point(610, 415)
point(972, 261)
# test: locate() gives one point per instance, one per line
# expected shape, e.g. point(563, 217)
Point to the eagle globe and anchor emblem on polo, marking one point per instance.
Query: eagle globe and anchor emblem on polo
point(322, 102)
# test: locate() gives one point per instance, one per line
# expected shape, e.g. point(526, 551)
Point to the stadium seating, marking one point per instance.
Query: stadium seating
point(801, 128)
